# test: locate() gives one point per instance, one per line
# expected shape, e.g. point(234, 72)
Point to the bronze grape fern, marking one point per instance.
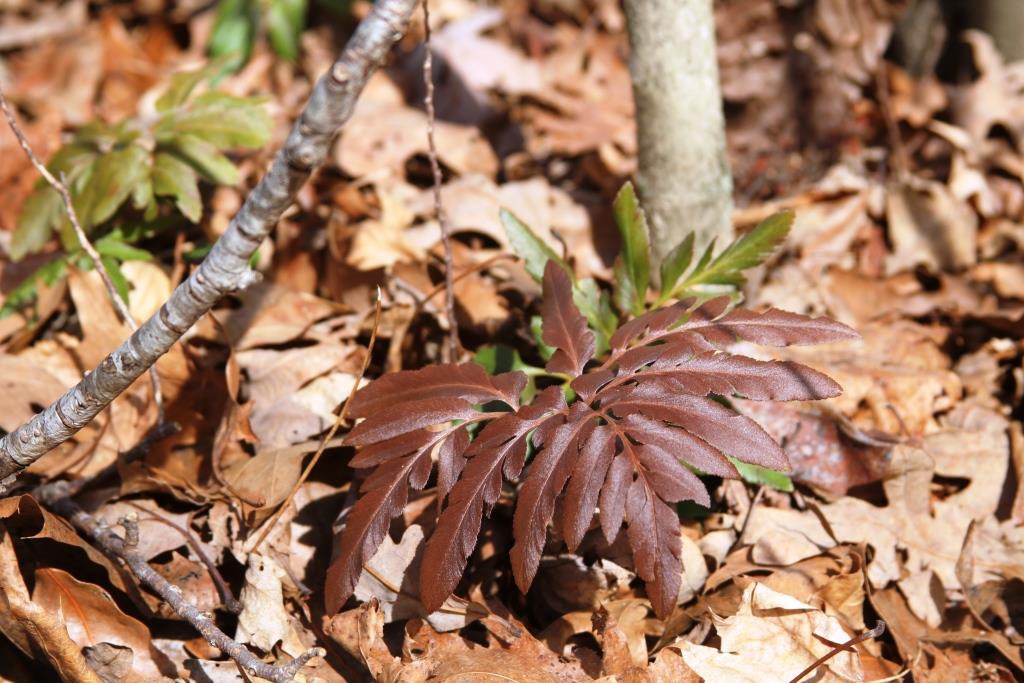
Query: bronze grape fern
point(626, 444)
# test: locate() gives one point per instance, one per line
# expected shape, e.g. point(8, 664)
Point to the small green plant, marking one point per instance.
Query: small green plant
point(633, 291)
point(239, 23)
point(128, 179)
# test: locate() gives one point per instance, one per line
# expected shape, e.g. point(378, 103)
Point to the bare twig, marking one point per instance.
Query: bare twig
point(159, 432)
point(97, 261)
point(227, 597)
point(435, 167)
point(876, 632)
point(269, 525)
point(223, 270)
point(54, 496)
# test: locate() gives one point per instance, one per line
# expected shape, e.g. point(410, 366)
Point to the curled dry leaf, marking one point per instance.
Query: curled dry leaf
point(28, 626)
point(270, 314)
point(771, 639)
point(102, 328)
point(271, 373)
point(630, 616)
point(784, 537)
point(833, 582)
point(113, 663)
point(384, 241)
point(360, 632)
point(929, 226)
point(384, 133)
point(483, 63)
point(567, 583)
point(150, 288)
point(92, 617)
point(264, 622)
point(994, 97)
point(929, 535)
point(25, 519)
point(822, 453)
point(510, 652)
point(473, 204)
point(25, 382)
point(897, 365)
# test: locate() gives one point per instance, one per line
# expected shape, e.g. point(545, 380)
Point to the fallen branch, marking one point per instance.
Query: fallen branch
point(224, 269)
point(227, 597)
point(83, 240)
point(54, 496)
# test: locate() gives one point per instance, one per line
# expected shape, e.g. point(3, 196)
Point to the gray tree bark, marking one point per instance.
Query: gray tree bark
point(225, 269)
point(683, 180)
point(1002, 19)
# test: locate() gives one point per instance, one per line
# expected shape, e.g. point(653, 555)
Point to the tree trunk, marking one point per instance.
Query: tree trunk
point(1002, 19)
point(684, 179)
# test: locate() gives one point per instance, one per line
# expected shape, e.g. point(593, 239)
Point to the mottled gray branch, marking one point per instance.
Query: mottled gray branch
point(54, 496)
point(330, 105)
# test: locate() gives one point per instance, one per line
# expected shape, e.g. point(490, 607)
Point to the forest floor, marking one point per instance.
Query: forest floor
point(906, 500)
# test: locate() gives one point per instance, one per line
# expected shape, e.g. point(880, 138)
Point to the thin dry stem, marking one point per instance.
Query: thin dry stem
point(97, 261)
point(900, 159)
point(227, 597)
point(268, 527)
point(435, 168)
point(54, 496)
point(876, 632)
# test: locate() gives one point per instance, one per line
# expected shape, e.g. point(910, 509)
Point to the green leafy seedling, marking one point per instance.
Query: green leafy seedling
point(238, 24)
point(633, 267)
point(722, 273)
point(133, 172)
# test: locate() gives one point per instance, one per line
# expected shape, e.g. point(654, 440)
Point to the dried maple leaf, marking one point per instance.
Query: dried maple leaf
point(625, 445)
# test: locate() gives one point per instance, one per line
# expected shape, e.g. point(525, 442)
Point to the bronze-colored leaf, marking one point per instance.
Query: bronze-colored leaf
point(564, 327)
point(641, 427)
